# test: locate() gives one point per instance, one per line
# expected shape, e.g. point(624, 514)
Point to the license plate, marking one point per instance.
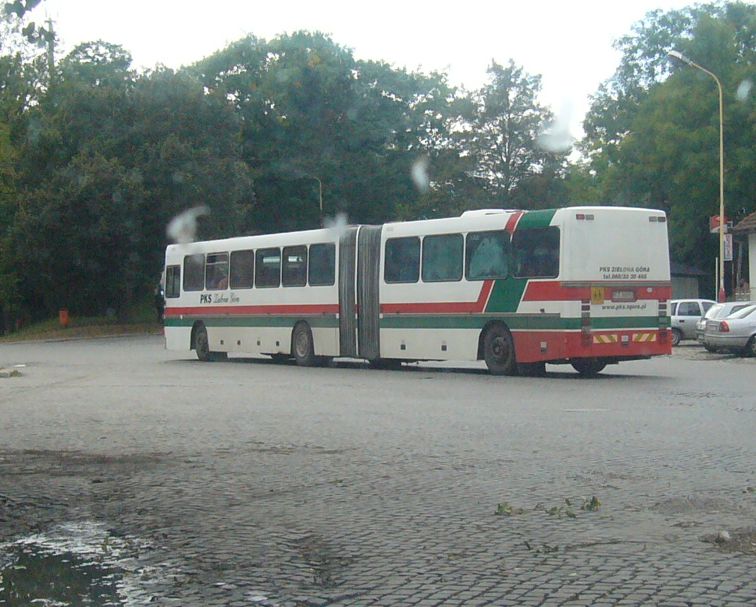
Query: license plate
point(623, 295)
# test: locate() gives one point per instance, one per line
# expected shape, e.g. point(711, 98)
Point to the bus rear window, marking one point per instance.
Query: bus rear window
point(402, 260)
point(194, 272)
point(442, 257)
point(268, 267)
point(536, 252)
point(322, 265)
point(488, 255)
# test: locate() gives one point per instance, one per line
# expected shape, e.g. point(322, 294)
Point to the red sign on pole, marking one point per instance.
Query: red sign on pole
point(714, 224)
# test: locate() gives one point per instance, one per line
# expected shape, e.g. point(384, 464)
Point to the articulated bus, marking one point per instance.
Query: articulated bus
point(587, 286)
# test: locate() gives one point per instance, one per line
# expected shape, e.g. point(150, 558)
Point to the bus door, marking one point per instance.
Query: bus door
point(347, 313)
point(359, 317)
point(368, 305)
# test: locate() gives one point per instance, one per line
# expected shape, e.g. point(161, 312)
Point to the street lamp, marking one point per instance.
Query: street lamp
point(680, 57)
point(320, 196)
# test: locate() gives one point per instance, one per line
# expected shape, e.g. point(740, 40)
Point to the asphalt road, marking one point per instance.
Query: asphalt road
point(254, 483)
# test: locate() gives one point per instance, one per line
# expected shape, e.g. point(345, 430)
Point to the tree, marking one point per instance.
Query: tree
point(501, 136)
point(107, 158)
point(653, 138)
point(311, 114)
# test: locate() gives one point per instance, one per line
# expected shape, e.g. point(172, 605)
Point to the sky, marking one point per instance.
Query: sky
point(568, 43)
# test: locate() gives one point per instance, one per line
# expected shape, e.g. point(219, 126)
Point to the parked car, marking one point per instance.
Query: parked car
point(718, 312)
point(685, 314)
point(736, 333)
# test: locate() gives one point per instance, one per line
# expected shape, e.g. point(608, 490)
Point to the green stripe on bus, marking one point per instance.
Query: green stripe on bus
point(625, 322)
point(506, 295)
point(536, 219)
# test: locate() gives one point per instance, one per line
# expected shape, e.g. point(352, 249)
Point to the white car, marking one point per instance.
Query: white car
point(718, 312)
point(736, 333)
point(684, 314)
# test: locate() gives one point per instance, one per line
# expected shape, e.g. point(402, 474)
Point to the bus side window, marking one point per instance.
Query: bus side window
point(194, 272)
point(242, 269)
point(294, 270)
point(216, 271)
point(322, 265)
point(442, 257)
point(488, 255)
point(268, 267)
point(172, 281)
point(402, 260)
point(536, 252)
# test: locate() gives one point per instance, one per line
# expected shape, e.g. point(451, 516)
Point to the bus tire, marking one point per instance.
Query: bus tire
point(588, 367)
point(389, 364)
point(499, 350)
point(676, 337)
point(202, 346)
point(302, 345)
point(532, 369)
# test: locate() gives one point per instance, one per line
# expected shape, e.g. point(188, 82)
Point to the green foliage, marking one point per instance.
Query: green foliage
point(504, 120)
point(100, 157)
point(653, 129)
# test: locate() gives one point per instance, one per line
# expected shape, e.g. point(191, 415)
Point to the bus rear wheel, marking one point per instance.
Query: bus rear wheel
point(499, 351)
point(202, 345)
point(588, 367)
point(303, 347)
point(388, 364)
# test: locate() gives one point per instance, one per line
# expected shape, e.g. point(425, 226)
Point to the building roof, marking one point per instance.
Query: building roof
point(747, 225)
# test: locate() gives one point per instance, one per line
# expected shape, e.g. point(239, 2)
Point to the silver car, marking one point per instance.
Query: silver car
point(684, 314)
point(718, 312)
point(736, 333)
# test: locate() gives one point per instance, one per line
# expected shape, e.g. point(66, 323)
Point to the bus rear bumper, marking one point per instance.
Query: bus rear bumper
point(625, 344)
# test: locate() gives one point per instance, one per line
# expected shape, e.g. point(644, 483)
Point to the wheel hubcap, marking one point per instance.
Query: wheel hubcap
point(499, 348)
point(302, 345)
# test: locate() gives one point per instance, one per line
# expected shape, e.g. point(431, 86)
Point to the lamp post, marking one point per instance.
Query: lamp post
point(680, 57)
point(320, 197)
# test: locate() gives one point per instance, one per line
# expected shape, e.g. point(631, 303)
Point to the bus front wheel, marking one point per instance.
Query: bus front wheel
point(303, 346)
point(202, 345)
point(499, 351)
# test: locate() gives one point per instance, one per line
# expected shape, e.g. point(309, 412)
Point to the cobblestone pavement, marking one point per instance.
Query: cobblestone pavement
point(254, 483)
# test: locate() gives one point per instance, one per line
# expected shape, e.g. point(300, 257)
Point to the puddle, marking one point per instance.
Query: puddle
point(33, 576)
point(79, 564)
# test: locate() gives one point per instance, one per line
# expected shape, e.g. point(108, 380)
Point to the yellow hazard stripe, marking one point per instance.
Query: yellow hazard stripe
point(644, 337)
point(605, 339)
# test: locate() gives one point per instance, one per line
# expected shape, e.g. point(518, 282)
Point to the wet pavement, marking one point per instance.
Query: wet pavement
point(130, 475)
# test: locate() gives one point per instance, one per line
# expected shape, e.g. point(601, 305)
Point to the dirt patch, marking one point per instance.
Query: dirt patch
point(741, 540)
point(326, 565)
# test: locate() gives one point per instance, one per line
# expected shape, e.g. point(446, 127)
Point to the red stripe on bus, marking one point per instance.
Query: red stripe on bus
point(512, 221)
point(450, 307)
point(553, 290)
point(283, 310)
